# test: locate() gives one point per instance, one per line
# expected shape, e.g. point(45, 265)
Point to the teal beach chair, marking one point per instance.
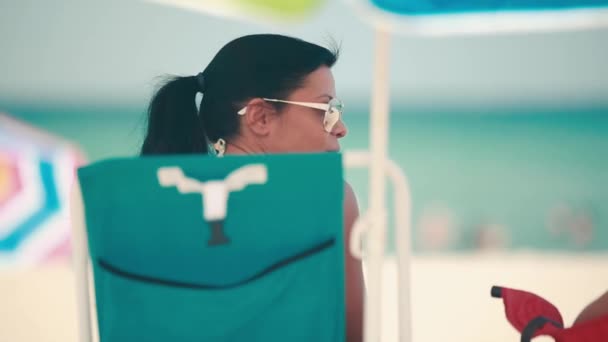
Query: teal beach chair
point(186, 248)
point(196, 248)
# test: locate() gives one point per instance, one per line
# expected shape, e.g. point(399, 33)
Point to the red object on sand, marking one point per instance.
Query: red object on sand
point(534, 316)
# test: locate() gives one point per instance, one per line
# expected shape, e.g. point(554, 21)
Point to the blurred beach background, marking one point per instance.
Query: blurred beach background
point(504, 140)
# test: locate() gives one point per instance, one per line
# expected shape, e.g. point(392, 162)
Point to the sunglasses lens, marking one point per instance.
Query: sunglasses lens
point(333, 114)
point(336, 105)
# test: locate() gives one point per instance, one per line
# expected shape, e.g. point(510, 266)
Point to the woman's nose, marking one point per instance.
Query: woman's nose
point(339, 129)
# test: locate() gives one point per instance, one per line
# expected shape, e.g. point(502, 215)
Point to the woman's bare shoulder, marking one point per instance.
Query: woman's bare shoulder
point(597, 308)
point(351, 206)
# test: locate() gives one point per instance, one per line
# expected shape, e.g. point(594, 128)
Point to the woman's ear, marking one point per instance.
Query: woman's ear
point(259, 116)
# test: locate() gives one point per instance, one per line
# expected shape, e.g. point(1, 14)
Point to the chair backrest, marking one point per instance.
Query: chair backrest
point(198, 248)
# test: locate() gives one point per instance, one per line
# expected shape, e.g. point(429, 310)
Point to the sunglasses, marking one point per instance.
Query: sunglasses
point(333, 110)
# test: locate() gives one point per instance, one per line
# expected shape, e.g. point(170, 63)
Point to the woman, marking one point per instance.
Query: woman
point(261, 94)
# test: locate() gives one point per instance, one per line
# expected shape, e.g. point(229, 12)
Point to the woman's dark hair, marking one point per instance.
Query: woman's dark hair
point(265, 65)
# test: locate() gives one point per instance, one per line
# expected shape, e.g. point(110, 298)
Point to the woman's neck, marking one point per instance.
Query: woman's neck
point(240, 147)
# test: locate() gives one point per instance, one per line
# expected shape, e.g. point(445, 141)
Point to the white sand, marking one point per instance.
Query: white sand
point(451, 295)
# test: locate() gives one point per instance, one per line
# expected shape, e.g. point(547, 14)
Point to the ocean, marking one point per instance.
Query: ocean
point(482, 179)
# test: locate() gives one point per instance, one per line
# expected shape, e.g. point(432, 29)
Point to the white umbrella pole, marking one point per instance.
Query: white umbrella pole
point(376, 236)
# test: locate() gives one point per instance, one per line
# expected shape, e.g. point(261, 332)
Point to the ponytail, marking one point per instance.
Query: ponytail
point(174, 125)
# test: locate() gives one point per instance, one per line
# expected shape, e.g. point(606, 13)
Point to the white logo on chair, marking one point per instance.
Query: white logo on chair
point(215, 193)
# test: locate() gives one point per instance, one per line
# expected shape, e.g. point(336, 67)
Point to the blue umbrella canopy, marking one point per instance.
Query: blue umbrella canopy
point(441, 17)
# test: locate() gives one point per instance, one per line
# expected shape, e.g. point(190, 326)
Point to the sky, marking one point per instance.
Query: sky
point(113, 52)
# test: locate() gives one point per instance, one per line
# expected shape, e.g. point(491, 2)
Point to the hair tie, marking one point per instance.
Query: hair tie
point(200, 79)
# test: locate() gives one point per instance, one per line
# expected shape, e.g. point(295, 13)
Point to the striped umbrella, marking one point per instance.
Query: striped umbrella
point(36, 171)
